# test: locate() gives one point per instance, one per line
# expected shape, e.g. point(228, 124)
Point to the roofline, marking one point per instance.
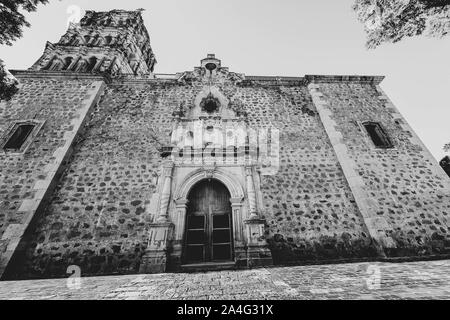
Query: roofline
point(161, 76)
point(310, 78)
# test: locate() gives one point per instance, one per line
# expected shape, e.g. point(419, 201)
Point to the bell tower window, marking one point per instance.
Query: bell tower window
point(67, 62)
point(92, 64)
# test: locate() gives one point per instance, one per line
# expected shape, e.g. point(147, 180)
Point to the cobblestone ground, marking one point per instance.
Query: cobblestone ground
point(413, 280)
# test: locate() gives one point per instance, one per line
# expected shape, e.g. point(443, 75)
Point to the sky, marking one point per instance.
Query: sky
point(275, 38)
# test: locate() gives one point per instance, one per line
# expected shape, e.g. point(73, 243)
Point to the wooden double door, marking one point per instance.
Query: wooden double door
point(209, 236)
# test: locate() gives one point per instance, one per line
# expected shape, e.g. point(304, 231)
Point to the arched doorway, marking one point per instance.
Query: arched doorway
point(209, 235)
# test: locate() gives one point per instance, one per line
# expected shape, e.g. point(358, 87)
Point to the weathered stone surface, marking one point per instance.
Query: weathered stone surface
point(30, 176)
point(411, 192)
point(334, 196)
point(362, 281)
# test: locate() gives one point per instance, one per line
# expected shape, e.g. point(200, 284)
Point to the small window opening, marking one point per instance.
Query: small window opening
point(378, 135)
point(210, 104)
point(20, 135)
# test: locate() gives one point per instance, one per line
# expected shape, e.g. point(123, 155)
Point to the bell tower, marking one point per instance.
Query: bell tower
point(114, 42)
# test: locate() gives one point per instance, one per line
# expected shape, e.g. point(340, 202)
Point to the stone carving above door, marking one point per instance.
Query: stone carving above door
point(212, 71)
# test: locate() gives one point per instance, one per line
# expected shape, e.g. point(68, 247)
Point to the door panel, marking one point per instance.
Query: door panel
point(208, 227)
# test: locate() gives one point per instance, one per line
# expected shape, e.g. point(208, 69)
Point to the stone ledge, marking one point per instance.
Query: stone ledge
point(68, 75)
point(343, 78)
point(273, 78)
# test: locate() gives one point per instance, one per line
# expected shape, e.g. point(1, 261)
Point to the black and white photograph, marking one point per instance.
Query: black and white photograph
point(224, 156)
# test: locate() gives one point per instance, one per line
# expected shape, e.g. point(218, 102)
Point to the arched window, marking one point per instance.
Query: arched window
point(92, 62)
point(67, 62)
point(108, 40)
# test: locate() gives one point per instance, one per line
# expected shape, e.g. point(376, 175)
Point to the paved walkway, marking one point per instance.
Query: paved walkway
point(413, 280)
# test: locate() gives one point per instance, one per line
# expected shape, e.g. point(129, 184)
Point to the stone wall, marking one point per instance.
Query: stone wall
point(27, 179)
point(409, 190)
point(97, 216)
point(309, 208)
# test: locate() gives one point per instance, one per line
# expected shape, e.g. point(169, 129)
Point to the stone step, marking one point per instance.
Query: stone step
point(208, 266)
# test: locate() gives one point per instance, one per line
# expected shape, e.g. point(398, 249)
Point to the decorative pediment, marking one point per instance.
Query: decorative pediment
point(210, 103)
point(212, 71)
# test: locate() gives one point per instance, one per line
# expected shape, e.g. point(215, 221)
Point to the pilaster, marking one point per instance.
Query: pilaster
point(376, 226)
point(161, 233)
point(14, 236)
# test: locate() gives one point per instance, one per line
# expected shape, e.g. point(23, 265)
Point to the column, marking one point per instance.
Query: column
point(258, 253)
point(165, 193)
point(180, 222)
point(251, 193)
point(240, 251)
point(156, 259)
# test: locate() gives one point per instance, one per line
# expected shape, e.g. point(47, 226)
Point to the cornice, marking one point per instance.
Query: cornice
point(172, 77)
point(68, 75)
point(343, 78)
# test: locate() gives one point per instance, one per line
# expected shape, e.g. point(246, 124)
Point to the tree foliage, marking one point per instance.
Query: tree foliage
point(8, 84)
point(12, 20)
point(393, 20)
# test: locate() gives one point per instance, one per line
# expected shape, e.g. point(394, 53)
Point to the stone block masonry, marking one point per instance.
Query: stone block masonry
point(97, 186)
point(28, 179)
point(334, 197)
point(97, 217)
point(405, 191)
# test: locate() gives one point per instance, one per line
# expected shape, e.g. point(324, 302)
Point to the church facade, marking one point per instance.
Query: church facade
point(111, 167)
